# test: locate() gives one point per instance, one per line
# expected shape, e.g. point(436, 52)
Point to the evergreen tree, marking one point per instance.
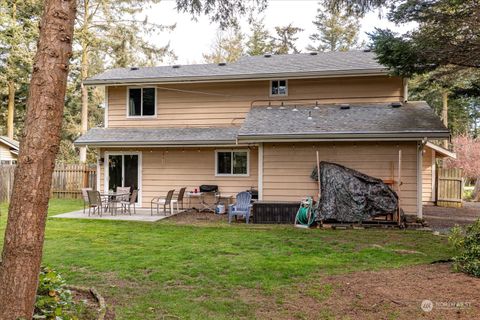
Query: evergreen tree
point(284, 40)
point(19, 31)
point(110, 30)
point(259, 40)
point(227, 46)
point(336, 30)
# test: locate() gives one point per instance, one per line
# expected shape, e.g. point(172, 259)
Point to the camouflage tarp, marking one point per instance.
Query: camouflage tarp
point(350, 196)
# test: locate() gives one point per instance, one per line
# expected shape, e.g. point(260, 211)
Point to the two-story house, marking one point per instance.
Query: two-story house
point(259, 123)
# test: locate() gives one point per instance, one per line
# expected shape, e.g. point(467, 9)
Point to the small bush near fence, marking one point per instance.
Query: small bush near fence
point(67, 181)
point(467, 246)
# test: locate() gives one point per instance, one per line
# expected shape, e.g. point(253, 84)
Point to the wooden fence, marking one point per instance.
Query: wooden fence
point(449, 187)
point(67, 180)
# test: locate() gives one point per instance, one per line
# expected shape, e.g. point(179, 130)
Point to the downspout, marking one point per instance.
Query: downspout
point(420, 146)
point(99, 156)
point(105, 104)
point(260, 171)
point(405, 89)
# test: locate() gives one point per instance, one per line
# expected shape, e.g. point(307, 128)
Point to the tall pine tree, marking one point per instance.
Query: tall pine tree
point(259, 41)
point(336, 30)
point(285, 39)
point(111, 30)
point(19, 31)
point(227, 46)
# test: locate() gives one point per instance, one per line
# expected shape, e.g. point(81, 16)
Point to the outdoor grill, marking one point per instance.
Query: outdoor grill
point(208, 188)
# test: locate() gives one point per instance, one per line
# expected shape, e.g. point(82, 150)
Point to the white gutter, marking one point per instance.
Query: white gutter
point(143, 145)
point(9, 144)
point(393, 136)
point(441, 150)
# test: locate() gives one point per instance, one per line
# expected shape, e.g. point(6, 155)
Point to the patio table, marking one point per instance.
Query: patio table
point(111, 200)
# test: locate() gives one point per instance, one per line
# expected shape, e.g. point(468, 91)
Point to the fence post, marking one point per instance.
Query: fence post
point(85, 175)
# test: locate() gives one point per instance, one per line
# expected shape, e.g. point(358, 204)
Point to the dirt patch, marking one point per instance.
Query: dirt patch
point(87, 304)
point(198, 218)
point(389, 294)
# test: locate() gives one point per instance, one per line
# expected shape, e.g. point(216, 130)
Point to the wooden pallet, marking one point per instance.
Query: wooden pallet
point(362, 225)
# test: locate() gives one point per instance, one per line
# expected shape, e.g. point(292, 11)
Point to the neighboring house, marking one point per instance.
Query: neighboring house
point(258, 123)
point(8, 150)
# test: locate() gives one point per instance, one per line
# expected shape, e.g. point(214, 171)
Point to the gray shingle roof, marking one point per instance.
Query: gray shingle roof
point(413, 120)
point(303, 64)
point(12, 143)
point(158, 136)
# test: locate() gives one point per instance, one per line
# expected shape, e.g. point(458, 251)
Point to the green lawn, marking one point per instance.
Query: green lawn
point(153, 271)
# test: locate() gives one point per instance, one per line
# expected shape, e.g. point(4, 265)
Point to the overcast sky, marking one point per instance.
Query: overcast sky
point(193, 38)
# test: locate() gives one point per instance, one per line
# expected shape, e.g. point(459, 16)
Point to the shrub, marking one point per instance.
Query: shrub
point(467, 247)
point(53, 301)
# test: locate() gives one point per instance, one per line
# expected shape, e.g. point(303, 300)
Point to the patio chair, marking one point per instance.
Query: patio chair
point(179, 199)
point(94, 202)
point(131, 202)
point(85, 198)
point(241, 207)
point(119, 199)
point(125, 190)
point(167, 201)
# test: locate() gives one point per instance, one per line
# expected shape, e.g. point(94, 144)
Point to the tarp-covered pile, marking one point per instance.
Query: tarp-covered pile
point(351, 196)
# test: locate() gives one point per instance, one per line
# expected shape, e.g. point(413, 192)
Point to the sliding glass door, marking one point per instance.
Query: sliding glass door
point(123, 171)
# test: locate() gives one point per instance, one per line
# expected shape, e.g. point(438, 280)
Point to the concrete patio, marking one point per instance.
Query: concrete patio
point(142, 214)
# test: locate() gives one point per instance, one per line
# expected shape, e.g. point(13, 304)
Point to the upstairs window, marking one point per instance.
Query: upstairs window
point(278, 88)
point(231, 163)
point(141, 102)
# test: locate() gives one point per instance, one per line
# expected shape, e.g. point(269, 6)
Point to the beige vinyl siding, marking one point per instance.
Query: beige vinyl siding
point(287, 167)
point(5, 153)
point(227, 103)
point(173, 168)
point(427, 183)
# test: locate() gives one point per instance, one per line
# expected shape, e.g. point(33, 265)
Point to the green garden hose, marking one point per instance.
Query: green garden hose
point(305, 215)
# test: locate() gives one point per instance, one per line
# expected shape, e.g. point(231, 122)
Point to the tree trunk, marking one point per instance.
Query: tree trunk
point(83, 75)
point(24, 236)
point(11, 108)
point(445, 114)
point(83, 150)
point(476, 191)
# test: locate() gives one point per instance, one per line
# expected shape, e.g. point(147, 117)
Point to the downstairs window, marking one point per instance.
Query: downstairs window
point(232, 163)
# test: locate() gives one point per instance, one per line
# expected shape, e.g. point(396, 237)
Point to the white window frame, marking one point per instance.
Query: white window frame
point(140, 171)
point(279, 95)
point(231, 168)
point(141, 105)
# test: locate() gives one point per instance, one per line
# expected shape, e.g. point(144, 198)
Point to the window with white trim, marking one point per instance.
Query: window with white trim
point(231, 163)
point(278, 88)
point(141, 102)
